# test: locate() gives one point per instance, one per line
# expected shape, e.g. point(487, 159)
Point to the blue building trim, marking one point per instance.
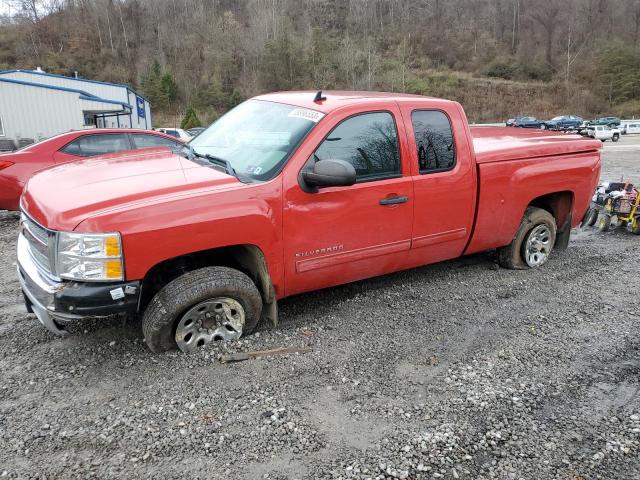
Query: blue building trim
point(55, 75)
point(83, 95)
point(102, 100)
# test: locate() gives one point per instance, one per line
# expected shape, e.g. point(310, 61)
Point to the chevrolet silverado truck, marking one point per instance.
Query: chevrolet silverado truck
point(288, 193)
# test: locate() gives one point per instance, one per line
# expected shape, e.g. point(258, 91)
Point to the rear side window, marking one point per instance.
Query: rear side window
point(143, 140)
point(99, 144)
point(434, 141)
point(369, 142)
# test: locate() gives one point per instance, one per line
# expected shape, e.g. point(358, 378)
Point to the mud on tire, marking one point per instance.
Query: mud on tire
point(512, 255)
point(174, 299)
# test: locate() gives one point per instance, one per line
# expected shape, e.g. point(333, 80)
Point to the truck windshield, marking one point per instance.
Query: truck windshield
point(257, 137)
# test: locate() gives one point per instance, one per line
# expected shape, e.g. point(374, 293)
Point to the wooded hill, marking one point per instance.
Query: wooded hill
point(497, 57)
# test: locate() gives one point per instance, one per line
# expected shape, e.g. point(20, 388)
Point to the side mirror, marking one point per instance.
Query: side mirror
point(329, 173)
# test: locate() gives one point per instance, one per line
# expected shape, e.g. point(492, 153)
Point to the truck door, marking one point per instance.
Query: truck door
point(444, 183)
point(343, 234)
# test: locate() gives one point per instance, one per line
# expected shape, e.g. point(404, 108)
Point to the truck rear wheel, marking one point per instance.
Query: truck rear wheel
point(202, 306)
point(533, 242)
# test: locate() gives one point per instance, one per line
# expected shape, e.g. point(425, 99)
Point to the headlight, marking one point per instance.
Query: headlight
point(89, 256)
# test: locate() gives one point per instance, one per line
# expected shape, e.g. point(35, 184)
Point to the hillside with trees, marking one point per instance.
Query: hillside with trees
point(497, 57)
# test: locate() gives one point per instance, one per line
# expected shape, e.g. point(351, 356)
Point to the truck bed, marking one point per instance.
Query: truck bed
point(497, 144)
point(515, 165)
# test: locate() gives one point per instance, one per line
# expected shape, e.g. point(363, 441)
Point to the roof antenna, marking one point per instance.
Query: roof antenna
point(319, 97)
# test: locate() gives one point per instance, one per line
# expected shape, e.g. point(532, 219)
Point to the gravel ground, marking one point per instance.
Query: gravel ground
point(455, 370)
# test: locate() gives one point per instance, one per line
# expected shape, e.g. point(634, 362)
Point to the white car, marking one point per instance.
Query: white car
point(603, 132)
point(177, 133)
point(630, 127)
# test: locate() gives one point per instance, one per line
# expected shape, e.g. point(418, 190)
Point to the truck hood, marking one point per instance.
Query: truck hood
point(500, 144)
point(61, 197)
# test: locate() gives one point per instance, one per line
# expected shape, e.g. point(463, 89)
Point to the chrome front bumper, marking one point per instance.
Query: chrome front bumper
point(39, 291)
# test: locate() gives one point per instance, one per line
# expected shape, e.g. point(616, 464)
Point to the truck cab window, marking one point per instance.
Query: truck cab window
point(434, 141)
point(369, 142)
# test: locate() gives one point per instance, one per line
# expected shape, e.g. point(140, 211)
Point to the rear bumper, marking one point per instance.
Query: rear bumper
point(57, 303)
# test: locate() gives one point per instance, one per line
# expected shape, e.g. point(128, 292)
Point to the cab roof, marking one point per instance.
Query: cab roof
point(337, 98)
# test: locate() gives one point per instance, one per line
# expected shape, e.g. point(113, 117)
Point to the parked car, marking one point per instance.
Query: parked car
point(630, 127)
point(511, 121)
point(603, 133)
point(610, 121)
point(178, 133)
point(563, 121)
point(16, 167)
point(288, 193)
point(528, 122)
point(195, 131)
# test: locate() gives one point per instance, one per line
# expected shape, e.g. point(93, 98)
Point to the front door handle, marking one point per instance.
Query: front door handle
point(394, 200)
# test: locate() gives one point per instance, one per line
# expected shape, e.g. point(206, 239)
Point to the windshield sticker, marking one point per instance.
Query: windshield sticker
point(307, 114)
point(253, 170)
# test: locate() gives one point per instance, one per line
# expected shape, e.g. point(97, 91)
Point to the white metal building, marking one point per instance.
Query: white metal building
point(36, 105)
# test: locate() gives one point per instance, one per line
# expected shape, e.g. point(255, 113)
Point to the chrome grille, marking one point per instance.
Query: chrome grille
point(40, 241)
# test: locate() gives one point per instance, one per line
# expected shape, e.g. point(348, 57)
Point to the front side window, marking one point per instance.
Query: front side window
point(143, 140)
point(257, 137)
point(434, 141)
point(369, 142)
point(99, 144)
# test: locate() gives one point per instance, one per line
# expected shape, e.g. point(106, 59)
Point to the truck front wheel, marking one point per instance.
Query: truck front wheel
point(199, 307)
point(533, 242)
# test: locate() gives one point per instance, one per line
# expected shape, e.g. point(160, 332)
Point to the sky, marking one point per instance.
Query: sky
point(4, 7)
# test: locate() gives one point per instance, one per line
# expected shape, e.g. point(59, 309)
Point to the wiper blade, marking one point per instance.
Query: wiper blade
point(217, 160)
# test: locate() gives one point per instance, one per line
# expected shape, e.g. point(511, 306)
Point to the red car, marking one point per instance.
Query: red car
point(288, 193)
point(17, 167)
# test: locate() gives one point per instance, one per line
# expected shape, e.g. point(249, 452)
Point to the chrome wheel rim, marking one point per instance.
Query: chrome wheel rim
point(216, 319)
point(538, 246)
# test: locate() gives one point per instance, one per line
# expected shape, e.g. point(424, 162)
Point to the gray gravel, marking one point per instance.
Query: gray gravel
point(455, 370)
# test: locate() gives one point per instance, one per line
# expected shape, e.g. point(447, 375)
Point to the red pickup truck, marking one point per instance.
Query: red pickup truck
point(287, 193)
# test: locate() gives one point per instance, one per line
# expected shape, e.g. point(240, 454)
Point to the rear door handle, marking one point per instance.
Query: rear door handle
point(394, 200)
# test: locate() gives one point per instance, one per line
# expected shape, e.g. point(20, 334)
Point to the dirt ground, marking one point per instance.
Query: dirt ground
point(455, 370)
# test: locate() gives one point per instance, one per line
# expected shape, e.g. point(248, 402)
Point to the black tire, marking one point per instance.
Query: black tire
point(635, 228)
point(592, 217)
point(604, 223)
point(512, 256)
point(615, 138)
point(174, 299)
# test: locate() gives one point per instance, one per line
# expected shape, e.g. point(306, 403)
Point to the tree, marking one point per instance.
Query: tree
point(618, 69)
point(151, 83)
point(190, 120)
point(235, 98)
point(160, 88)
point(168, 90)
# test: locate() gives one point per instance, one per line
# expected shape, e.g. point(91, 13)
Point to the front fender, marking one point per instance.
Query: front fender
point(175, 227)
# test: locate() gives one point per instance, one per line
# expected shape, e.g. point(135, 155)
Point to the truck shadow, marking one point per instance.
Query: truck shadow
point(301, 309)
